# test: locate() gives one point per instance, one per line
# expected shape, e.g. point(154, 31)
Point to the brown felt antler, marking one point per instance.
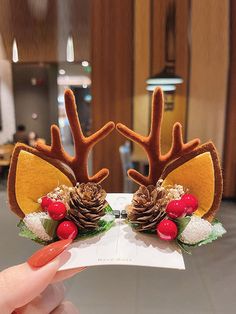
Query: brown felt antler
point(152, 143)
point(82, 144)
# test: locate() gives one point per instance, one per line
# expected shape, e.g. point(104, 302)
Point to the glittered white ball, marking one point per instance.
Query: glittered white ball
point(34, 224)
point(197, 230)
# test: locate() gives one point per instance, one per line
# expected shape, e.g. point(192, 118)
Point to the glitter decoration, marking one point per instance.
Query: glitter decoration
point(197, 230)
point(34, 223)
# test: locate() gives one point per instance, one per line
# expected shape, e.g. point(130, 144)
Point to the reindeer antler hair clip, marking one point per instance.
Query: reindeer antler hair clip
point(182, 192)
point(152, 143)
point(82, 144)
point(52, 191)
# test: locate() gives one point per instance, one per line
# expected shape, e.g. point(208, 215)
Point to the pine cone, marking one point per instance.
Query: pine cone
point(148, 207)
point(87, 204)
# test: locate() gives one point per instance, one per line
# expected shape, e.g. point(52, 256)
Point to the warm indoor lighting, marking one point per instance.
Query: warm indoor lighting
point(85, 63)
point(162, 81)
point(62, 72)
point(15, 57)
point(165, 88)
point(165, 77)
point(70, 57)
point(78, 80)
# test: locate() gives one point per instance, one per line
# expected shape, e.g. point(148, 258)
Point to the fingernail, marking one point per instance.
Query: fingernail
point(48, 253)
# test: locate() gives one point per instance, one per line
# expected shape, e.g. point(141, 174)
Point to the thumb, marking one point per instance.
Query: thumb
point(20, 284)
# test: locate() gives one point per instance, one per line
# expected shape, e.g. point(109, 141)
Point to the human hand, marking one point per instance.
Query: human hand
point(25, 289)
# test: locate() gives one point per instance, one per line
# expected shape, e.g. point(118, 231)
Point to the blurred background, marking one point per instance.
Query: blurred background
point(112, 54)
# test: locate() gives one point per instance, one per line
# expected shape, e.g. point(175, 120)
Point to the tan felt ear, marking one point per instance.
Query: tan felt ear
point(33, 175)
point(200, 172)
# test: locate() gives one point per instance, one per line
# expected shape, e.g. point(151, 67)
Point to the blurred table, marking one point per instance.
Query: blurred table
point(5, 157)
point(5, 154)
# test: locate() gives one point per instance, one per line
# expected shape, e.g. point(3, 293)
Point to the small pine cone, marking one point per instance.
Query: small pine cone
point(147, 208)
point(87, 204)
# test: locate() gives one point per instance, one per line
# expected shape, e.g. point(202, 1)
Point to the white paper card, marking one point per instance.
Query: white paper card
point(122, 246)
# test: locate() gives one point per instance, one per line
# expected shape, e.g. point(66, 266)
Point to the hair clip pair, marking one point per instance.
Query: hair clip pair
point(56, 199)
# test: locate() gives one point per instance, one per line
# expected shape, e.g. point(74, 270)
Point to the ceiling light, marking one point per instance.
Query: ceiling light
point(85, 63)
point(70, 57)
point(15, 57)
point(78, 80)
point(62, 72)
point(85, 85)
point(166, 76)
point(165, 88)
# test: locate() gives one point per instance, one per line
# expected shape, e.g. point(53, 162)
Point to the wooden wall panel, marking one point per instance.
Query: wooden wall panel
point(112, 80)
point(35, 38)
point(41, 28)
point(209, 70)
point(230, 130)
point(141, 98)
point(159, 8)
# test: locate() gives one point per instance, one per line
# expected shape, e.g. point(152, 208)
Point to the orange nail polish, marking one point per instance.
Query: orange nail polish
point(48, 253)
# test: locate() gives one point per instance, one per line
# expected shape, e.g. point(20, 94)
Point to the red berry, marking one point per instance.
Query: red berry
point(57, 210)
point(45, 202)
point(67, 230)
point(167, 230)
point(191, 203)
point(176, 209)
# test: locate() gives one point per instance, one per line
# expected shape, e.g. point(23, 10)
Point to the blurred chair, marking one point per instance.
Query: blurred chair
point(5, 154)
point(5, 158)
point(125, 155)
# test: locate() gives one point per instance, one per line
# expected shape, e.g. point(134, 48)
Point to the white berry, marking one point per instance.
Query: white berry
point(197, 230)
point(34, 223)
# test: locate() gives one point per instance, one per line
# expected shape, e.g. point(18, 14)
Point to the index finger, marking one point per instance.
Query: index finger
point(66, 274)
